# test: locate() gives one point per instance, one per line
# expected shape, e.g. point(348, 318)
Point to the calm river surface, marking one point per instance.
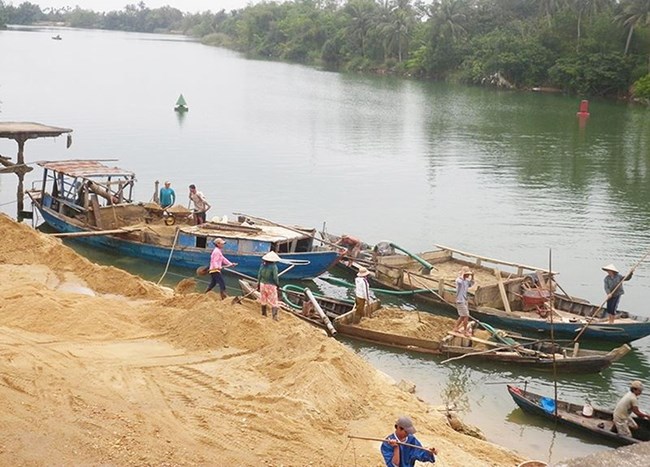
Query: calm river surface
point(504, 174)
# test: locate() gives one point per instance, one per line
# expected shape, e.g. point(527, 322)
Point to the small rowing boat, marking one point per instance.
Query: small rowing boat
point(599, 422)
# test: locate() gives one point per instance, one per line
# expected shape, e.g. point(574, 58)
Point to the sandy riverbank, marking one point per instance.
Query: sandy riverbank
point(101, 367)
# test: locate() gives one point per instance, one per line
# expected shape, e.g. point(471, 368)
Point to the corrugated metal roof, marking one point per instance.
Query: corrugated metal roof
point(32, 130)
point(266, 233)
point(85, 168)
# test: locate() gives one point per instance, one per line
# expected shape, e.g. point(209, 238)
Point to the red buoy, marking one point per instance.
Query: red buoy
point(584, 108)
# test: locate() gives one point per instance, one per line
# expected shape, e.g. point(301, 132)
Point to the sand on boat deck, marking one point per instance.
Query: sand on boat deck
point(101, 367)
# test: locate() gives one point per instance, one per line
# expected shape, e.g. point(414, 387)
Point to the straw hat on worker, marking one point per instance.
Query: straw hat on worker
point(609, 267)
point(465, 270)
point(271, 257)
point(363, 272)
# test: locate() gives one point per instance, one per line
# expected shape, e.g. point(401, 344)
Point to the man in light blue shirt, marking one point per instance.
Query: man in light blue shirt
point(167, 196)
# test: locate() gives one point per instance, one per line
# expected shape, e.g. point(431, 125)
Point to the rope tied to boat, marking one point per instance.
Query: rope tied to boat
point(169, 260)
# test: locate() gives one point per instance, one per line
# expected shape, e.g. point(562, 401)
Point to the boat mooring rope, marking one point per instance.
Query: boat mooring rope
point(169, 260)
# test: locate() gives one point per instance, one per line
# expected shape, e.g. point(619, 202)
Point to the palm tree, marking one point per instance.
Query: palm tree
point(586, 9)
point(396, 25)
point(361, 14)
point(634, 13)
point(448, 17)
point(548, 8)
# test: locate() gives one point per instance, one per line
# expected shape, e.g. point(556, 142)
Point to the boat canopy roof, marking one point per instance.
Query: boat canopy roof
point(265, 233)
point(29, 130)
point(85, 169)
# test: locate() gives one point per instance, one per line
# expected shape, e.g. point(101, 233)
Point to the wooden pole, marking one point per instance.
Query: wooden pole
point(550, 289)
point(321, 313)
point(368, 438)
point(94, 233)
point(502, 291)
point(505, 347)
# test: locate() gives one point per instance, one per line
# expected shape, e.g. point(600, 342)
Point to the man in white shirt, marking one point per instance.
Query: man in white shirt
point(201, 205)
point(626, 407)
point(361, 292)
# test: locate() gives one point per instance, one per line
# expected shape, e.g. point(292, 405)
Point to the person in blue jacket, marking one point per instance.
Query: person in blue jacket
point(397, 454)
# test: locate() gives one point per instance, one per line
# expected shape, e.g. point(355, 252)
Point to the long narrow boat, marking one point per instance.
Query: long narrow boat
point(600, 423)
point(429, 334)
point(506, 294)
point(90, 201)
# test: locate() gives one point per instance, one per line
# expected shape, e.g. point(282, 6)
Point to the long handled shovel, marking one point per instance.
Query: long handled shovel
point(239, 298)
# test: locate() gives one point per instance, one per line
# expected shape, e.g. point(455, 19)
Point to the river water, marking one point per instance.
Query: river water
point(508, 175)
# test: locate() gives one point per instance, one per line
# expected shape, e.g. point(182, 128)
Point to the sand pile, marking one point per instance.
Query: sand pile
point(100, 367)
point(409, 323)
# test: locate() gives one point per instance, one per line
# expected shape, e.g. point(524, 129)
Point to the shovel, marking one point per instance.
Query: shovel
point(238, 299)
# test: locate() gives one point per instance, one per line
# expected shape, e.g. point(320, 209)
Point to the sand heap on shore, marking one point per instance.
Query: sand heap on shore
point(101, 367)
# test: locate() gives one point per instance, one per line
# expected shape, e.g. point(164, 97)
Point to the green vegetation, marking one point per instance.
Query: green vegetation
point(642, 88)
point(588, 47)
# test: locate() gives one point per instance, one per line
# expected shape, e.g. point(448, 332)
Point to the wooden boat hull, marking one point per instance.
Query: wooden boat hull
point(316, 262)
point(500, 297)
point(341, 314)
point(570, 415)
point(586, 362)
point(617, 332)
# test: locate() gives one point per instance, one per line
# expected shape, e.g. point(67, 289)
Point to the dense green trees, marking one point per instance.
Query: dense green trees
point(596, 47)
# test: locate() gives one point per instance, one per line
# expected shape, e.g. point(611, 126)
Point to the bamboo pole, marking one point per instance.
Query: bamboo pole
point(368, 438)
point(94, 233)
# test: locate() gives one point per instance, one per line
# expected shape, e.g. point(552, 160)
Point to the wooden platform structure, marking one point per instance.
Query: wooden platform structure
point(21, 132)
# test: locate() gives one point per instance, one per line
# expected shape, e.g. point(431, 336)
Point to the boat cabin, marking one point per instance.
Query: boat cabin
point(245, 236)
point(75, 188)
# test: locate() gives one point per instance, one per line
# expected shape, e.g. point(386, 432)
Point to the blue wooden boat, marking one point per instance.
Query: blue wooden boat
point(92, 202)
point(507, 295)
point(599, 423)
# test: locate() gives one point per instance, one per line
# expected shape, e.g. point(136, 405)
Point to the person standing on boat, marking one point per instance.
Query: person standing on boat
point(614, 289)
point(399, 455)
point(627, 405)
point(464, 281)
point(217, 262)
point(167, 196)
point(201, 205)
point(361, 291)
point(268, 283)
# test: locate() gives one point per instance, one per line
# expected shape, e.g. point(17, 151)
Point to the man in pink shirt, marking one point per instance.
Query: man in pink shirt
point(217, 262)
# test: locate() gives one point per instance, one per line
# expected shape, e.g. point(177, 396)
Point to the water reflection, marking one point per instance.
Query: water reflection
point(180, 116)
point(459, 385)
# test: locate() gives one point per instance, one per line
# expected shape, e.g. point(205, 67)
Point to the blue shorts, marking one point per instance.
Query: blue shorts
point(612, 305)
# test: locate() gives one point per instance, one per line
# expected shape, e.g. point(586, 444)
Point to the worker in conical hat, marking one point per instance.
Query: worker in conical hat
point(268, 282)
point(361, 291)
point(614, 289)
